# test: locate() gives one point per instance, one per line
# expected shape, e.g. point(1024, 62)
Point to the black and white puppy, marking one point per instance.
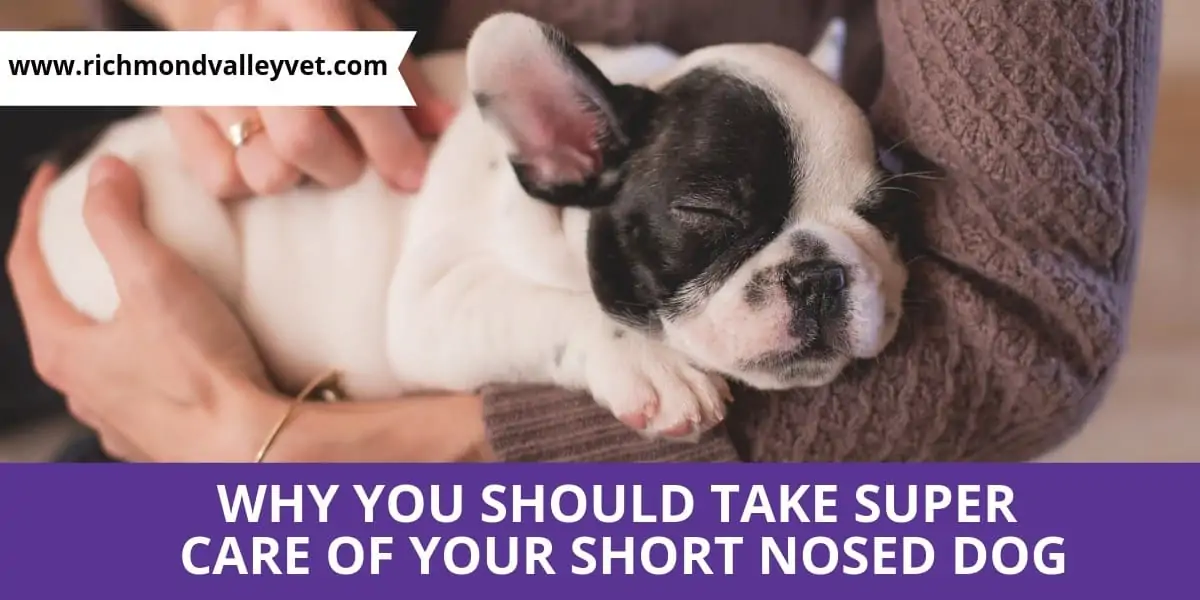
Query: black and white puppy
point(619, 220)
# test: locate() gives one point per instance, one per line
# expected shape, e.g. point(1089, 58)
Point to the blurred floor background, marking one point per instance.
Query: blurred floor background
point(1153, 412)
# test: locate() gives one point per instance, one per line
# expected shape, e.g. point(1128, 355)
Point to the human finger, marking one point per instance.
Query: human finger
point(306, 138)
point(390, 144)
point(112, 210)
point(330, 15)
point(47, 316)
point(262, 168)
point(431, 113)
point(206, 152)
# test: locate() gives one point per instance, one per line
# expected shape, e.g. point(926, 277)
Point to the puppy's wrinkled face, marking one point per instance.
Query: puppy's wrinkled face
point(734, 201)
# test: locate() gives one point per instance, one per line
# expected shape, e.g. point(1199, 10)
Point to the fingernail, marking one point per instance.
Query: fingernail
point(102, 171)
point(46, 169)
point(410, 179)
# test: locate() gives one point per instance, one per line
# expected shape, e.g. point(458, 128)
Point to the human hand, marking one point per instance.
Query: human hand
point(173, 377)
point(287, 144)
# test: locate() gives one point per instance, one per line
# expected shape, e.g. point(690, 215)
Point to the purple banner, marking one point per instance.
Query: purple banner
point(598, 531)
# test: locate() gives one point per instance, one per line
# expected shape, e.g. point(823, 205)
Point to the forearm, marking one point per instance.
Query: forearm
point(1020, 292)
point(1031, 220)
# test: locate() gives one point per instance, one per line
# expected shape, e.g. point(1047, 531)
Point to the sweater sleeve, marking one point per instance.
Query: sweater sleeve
point(1035, 115)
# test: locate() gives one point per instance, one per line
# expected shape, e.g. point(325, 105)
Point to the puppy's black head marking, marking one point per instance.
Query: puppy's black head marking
point(712, 182)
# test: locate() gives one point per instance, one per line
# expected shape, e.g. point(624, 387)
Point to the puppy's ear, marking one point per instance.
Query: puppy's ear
point(567, 127)
point(827, 54)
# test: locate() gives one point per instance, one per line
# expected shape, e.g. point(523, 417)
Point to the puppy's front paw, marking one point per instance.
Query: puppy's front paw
point(653, 389)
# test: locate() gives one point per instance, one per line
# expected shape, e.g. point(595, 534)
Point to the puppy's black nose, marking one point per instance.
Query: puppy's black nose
point(817, 286)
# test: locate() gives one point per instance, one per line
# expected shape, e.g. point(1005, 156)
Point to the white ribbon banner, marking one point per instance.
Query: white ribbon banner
point(203, 68)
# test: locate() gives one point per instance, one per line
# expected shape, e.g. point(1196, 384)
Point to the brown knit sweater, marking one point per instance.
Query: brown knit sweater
point(1036, 116)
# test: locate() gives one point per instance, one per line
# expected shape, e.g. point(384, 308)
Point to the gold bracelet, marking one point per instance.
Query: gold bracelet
point(327, 383)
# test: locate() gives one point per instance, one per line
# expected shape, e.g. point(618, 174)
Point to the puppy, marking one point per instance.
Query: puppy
point(617, 220)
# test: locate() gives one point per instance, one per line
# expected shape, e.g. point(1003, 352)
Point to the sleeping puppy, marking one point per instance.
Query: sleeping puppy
point(621, 221)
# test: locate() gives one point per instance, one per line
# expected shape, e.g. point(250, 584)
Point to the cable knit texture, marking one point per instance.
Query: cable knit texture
point(1035, 116)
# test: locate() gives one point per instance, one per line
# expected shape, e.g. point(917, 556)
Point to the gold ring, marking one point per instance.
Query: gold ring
point(239, 133)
